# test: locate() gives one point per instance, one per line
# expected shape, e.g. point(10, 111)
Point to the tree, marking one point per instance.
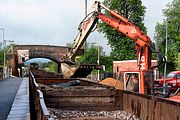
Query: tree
point(2, 53)
point(123, 48)
point(172, 14)
point(1, 57)
point(91, 57)
point(53, 66)
point(50, 66)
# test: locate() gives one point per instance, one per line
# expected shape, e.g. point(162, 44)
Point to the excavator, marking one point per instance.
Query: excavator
point(143, 46)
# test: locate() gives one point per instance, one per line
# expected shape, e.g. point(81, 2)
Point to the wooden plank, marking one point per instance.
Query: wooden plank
point(81, 92)
point(90, 108)
point(70, 104)
point(82, 100)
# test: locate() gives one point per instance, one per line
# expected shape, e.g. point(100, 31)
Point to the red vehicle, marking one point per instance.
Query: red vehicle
point(172, 79)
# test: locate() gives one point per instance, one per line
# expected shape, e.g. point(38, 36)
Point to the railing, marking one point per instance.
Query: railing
point(37, 105)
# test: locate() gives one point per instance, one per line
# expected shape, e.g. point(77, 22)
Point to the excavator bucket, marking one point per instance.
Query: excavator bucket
point(78, 71)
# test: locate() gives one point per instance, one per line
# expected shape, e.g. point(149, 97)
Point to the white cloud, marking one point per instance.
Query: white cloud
point(55, 21)
point(36, 20)
point(154, 14)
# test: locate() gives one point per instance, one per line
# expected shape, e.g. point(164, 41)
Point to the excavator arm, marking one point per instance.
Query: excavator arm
point(85, 28)
point(121, 24)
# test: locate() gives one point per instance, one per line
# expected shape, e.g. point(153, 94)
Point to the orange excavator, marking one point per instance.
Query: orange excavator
point(143, 45)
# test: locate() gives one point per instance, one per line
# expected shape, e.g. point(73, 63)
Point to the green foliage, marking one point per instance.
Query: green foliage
point(108, 62)
point(49, 66)
point(1, 56)
point(123, 48)
point(53, 66)
point(177, 61)
point(44, 64)
point(91, 57)
point(172, 13)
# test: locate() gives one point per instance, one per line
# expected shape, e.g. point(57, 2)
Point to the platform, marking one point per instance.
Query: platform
point(8, 90)
point(20, 107)
point(14, 98)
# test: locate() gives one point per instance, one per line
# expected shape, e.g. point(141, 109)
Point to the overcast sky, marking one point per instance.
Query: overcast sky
point(55, 22)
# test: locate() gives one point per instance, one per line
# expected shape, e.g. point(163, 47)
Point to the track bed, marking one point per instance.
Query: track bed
point(91, 115)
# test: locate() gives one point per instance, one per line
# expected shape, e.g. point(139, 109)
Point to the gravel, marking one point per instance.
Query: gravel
point(59, 114)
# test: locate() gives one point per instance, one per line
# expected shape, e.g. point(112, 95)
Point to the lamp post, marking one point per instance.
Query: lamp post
point(98, 59)
point(85, 13)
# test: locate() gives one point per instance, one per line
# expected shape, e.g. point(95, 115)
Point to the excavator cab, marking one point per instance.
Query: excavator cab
point(141, 81)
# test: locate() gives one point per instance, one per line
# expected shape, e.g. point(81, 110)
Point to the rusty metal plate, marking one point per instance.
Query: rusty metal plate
point(84, 70)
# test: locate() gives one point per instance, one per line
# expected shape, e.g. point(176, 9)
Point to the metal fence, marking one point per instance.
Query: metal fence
point(38, 108)
point(150, 107)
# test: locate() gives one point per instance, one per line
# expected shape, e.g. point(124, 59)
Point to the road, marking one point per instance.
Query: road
point(8, 90)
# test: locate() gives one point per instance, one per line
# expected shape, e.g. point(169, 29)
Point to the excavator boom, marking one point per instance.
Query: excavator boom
point(121, 24)
point(85, 29)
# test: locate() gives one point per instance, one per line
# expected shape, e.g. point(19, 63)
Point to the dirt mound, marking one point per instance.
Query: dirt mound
point(112, 82)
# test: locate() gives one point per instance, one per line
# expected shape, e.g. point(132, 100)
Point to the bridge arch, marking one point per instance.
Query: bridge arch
point(39, 62)
point(52, 59)
point(55, 53)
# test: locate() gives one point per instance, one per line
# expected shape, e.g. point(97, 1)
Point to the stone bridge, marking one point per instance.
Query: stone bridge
point(21, 53)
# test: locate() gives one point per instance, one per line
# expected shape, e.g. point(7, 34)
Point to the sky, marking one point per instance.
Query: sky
point(55, 22)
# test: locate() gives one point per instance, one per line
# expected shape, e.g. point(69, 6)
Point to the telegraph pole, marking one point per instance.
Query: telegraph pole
point(98, 61)
point(166, 52)
point(85, 8)
point(85, 43)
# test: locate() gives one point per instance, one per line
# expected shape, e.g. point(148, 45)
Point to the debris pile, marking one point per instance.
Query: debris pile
point(89, 115)
point(112, 82)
